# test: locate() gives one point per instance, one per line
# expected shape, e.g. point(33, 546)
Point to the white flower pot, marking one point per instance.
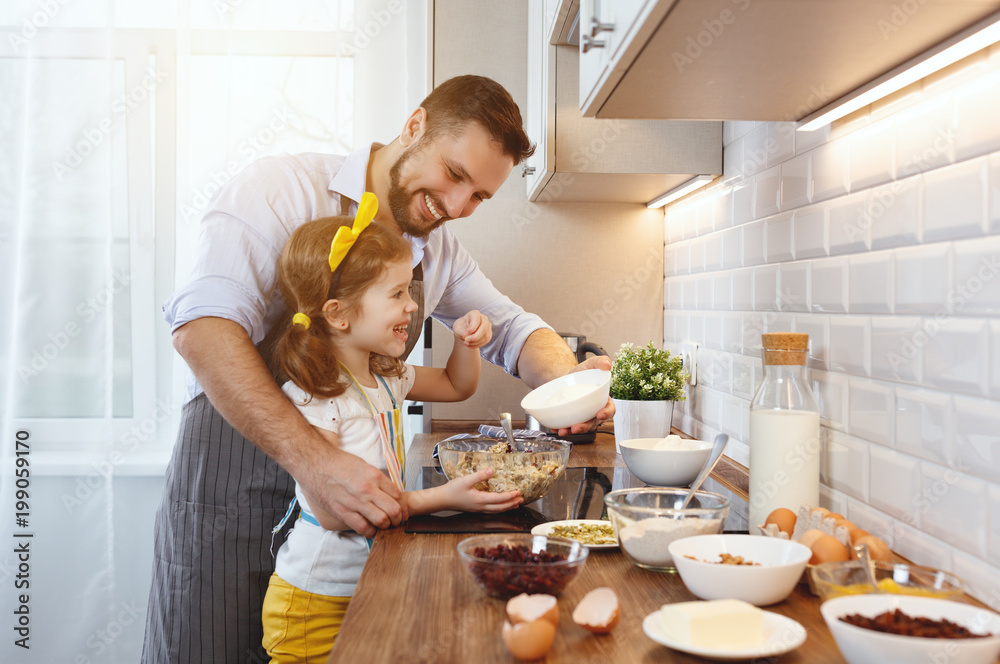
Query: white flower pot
point(641, 419)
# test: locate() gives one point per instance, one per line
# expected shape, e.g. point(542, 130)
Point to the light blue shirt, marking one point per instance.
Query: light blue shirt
point(247, 224)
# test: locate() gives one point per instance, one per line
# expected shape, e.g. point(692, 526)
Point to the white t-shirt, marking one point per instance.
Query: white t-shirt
point(323, 561)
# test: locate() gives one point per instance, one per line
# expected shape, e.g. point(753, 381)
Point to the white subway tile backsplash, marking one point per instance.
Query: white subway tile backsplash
point(895, 484)
point(778, 238)
point(818, 329)
point(977, 277)
point(832, 393)
point(753, 243)
point(732, 250)
point(809, 232)
point(794, 280)
point(953, 506)
point(955, 352)
point(923, 279)
point(871, 411)
point(976, 443)
point(829, 285)
point(847, 465)
point(829, 169)
point(780, 142)
point(765, 288)
point(849, 344)
point(893, 214)
point(849, 223)
point(955, 201)
point(872, 155)
point(879, 237)
point(978, 131)
point(925, 137)
point(768, 185)
point(923, 423)
point(796, 183)
point(870, 283)
point(890, 360)
point(743, 289)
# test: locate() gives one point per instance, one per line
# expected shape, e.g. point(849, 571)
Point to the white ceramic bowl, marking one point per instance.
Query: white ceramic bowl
point(571, 399)
point(664, 467)
point(864, 646)
point(781, 565)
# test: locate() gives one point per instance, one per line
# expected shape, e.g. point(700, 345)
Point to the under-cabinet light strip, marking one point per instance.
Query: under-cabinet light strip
point(694, 183)
point(975, 38)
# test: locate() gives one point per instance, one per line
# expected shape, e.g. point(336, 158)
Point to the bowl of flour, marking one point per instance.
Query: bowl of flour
point(647, 520)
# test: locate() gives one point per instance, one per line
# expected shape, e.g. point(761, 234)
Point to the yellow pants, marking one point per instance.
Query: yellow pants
point(300, 626)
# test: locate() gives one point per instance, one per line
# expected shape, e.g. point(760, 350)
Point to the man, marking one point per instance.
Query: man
point(228, 482)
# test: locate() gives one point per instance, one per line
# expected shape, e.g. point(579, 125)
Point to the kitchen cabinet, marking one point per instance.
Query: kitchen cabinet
point(769, 60)
point(585, 159)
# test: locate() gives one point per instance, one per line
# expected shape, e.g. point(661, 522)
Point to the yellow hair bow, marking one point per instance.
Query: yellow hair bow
point(345, 237)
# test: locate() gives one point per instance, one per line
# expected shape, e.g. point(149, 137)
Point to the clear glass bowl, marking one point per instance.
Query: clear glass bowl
point(531, 563)
point(834, 579)
point(647, 520)
point(534, 465)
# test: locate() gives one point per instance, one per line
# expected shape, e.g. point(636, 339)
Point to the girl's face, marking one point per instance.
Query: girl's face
point(383, 314)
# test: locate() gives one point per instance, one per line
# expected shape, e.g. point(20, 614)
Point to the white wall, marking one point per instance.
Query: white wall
point(879, 238)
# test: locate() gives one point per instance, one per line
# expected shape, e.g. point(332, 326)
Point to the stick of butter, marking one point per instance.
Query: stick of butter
point(729, 624)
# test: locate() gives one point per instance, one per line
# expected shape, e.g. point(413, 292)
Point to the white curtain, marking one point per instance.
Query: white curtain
point(118, 122)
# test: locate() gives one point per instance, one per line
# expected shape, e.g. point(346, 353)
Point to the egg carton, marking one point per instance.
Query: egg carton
point(809, 518)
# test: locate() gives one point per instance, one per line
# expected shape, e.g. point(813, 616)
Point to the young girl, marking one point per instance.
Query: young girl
point(348, 290)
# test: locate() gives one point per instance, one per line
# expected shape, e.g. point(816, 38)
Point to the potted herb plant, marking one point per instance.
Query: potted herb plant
point(645, 383)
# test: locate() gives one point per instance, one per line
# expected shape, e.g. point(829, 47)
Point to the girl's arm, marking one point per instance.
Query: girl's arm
point(458, 380)
point(461, 494)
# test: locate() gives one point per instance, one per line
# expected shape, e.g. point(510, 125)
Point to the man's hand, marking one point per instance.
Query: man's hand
point(241, 388)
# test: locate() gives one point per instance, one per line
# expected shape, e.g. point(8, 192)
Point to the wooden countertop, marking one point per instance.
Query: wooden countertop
point(415, 602)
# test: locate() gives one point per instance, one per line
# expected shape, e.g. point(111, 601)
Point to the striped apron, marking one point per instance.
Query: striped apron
point(212, 537)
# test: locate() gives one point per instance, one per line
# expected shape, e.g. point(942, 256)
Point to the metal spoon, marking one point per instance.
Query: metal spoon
point(507, 429)
point(867, 564)
point(717, 448)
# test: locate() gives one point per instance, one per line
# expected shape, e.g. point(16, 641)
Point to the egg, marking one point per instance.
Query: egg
point(856, 533)
point(877, 548)
point(810, 536)
point(598, 611)
point(826, 549)
point(835, 516)
point(528, 640)
point(783, 518)
point(822, 511)
point(529, 608)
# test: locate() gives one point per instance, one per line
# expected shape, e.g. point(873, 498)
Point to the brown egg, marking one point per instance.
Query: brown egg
point(826, 549)
point(529, 608)
point(856, 533)
point(783, 518)
point(598, 611)
point(835, 516)
point(877, 548)
point(845, 523)
point(822, 510)
point(810, 536)
point(528, 640)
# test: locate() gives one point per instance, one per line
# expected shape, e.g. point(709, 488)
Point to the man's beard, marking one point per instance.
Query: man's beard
point(399, 199)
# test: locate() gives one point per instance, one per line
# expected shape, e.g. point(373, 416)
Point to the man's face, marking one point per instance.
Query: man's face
point(445, 177)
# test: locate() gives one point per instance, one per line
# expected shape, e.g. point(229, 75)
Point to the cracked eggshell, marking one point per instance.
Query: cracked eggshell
point(598, 611)
point(529, 608)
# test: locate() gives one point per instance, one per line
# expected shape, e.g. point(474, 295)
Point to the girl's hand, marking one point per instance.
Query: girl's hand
point(473, 329)
point(462, 494)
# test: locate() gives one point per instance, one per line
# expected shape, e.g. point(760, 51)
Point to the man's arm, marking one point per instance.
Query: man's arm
point(545, 356)
point(239, 385)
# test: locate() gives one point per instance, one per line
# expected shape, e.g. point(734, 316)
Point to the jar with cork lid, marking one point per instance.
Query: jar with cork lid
point(784, 431)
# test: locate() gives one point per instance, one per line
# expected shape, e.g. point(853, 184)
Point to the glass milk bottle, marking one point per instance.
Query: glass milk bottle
point(784, 431)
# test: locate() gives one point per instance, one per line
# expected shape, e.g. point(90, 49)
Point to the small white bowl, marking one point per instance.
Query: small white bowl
point(780, 566)
point(571, 399)
point(865, 646)
point(664, 467)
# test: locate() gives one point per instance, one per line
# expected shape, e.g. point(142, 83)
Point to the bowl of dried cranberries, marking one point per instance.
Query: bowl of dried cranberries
point(510, 564)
